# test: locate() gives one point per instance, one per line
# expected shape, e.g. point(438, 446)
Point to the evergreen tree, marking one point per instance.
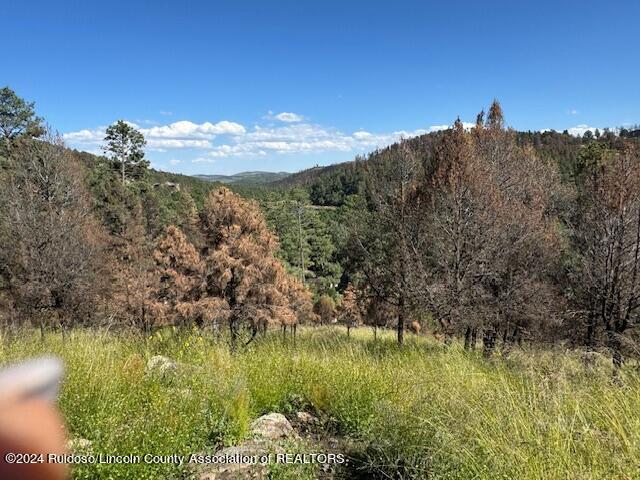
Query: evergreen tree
point(17, 117)
point(125, 146)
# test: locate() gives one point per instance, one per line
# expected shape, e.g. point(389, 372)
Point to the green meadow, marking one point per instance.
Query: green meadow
point(424, 410)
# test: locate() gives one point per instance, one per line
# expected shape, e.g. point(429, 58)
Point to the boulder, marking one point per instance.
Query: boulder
point(273, 426)
point(229, 471)
point(305, 417)
point(161, 367)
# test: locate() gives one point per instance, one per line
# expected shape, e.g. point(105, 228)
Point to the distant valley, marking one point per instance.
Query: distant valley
point(247, 178)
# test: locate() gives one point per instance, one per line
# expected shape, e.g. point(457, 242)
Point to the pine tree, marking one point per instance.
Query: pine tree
point(495, 118)
point(242, 269)
point(125, 146)
point(17, 120)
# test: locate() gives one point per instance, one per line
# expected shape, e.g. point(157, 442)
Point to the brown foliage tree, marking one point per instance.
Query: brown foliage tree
point(491, 239)
point(377, 313)
point(180, 297)
point(240, 264)
point(232, 276)
point(465, 231)
point(349, 312)
point(132, 279)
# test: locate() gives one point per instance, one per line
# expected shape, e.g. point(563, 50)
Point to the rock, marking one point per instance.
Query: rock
point(76, 445)
point(305, 417)
point(161, 367)
point(228, 471)
point(250, 449)
point(273, 426)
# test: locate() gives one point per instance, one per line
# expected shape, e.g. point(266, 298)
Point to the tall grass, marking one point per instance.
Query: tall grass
point(421, 411)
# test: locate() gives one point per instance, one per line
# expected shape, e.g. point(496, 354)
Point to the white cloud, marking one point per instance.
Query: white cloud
point(187, 129)
point(203, 160)
point(361, 135)
point(579, 130)
point(175, 161)
point(144, 121)
point(85, 137)
point(573, 112)
point(177, 135)
point(155, 143)
point(289, 117)
point(227, 139)
point(306, 138)
point(165, 113)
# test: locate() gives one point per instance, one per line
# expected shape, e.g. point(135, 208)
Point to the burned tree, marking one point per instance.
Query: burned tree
point(50, 241)
point(607, 242)
point(388, 234)
point(241, 268)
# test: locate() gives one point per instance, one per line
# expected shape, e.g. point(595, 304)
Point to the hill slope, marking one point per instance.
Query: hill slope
point(330, 185)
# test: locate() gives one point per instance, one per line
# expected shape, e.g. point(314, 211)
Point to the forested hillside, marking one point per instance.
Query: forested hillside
point(497, 270)
point(330, 185)
point(481, 233)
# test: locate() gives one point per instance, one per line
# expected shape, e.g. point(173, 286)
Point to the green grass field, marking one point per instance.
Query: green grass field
point(421, 411)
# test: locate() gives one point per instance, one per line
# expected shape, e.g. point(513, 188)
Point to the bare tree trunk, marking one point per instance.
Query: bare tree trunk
point(615, 347)
point(509, 340)
point(489, 341)
point(467, 338)
point(234, 332)
point(591, 330)
point(401, 319)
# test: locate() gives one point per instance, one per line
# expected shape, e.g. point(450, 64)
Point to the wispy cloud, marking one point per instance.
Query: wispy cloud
point(289, 117)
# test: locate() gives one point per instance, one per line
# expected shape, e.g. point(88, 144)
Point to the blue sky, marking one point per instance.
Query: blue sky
point(223, 87)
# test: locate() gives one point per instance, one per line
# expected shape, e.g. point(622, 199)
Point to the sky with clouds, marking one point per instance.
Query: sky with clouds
point(281, 141)
point(223, 87)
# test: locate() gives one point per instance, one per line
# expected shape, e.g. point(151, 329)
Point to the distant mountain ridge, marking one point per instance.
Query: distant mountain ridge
point(247, 178)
